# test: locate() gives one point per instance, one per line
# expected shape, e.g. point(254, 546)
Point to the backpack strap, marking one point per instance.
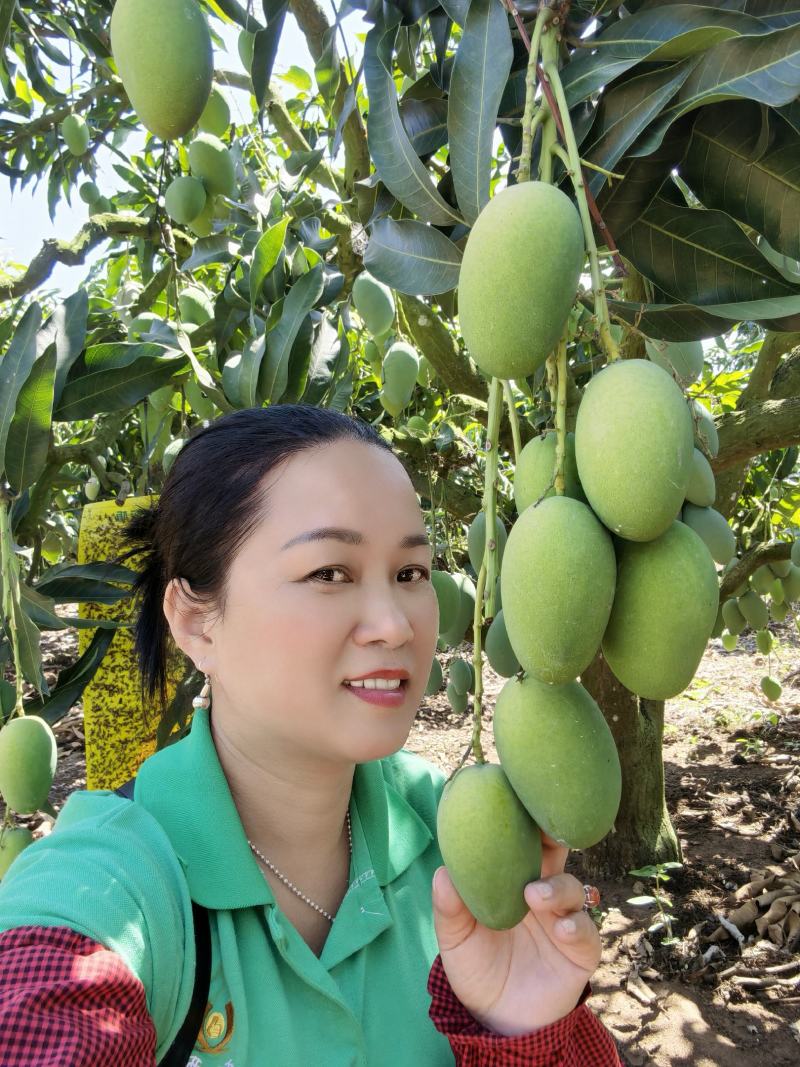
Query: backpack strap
point(178, 1053)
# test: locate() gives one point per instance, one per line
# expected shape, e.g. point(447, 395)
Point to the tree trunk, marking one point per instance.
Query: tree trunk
point(643, 833)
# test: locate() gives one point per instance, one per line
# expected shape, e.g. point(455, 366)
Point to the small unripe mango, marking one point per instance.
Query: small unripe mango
point(211, 161)
point(28, 755)
point(76, 134)
point(184, 199)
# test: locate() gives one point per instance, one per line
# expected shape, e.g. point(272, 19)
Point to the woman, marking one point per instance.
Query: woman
point(288, 558)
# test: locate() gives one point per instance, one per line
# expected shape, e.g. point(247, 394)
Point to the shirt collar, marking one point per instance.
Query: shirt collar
point(184, 787)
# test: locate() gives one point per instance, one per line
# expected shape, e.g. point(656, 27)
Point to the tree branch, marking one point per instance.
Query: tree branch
point(761, 427)
point(74, 252)
point(773, 348)
point(786, 380)
point(750, 562)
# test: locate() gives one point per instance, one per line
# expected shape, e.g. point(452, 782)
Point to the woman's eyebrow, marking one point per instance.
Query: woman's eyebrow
point(350, 537)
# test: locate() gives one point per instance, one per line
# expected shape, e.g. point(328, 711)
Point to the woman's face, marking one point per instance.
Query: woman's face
point(299, 620)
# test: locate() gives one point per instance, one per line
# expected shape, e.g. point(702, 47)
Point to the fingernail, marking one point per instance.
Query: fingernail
point(567, 926)
point(438, 880)
point(543, 890)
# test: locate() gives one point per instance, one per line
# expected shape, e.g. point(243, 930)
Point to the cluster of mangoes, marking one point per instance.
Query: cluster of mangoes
point(615, 563)
point(768, 594)
point(397, 364)
point(28, 757)
point(164, 56)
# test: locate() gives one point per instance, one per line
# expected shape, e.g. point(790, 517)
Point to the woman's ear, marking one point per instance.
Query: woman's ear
point(188, 621)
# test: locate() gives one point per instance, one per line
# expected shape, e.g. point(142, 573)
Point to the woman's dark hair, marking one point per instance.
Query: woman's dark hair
point(212, 500)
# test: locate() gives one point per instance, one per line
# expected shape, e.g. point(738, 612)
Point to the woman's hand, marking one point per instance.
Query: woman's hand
point(515, 981)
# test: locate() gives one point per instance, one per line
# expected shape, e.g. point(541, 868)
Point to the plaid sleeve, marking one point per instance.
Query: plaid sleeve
point(577, 1040)
point(67, 1001)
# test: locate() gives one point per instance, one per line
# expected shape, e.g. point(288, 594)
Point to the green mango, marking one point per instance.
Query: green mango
point(633, 446)
point(195, 306)
point(203, 224)
point(476, 540)
point(458, 701)
point(245, 44)
point(163, 52)
point(101, 206)
point(374, 357)
point(76, 134)
point(778, 612)
point(435, 678)
point(448, 594)
point(426, 373)
point(216, 115)
point(704, 427)
point(560, 757)
point(702, 488)
point(462, 675)
point(211, 161)
point(28, 756)
point(13, 840)
point(729, 642)
point(466, 611)
point(558, 587)
point(777, 592)
point(535, 471)
point(795, 553)
point(791, 585)
point(400, 365)
point(519, 278)
point(491, 846)
point(771, 688)
point(764, 642)
point(734, 620)
point(498, 648)
point(89, 192)
point(665, 606)
point(375, 304)
point(684, 359)
point(713, 530)
point(780, 567)
point(184, 199)
point(719, 623)
point(754, 610)
point(761, 579)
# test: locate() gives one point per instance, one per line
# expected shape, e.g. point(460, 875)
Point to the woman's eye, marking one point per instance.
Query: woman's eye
point(331, 570)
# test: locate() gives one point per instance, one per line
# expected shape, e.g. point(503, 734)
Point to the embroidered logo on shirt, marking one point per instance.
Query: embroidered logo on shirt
point(217, 1029)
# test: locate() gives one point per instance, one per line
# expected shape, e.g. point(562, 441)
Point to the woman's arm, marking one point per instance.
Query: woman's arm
point(67, 1001)
point(577, 1040)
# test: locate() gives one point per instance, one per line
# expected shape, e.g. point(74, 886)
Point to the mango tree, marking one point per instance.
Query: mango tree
point(313, 244)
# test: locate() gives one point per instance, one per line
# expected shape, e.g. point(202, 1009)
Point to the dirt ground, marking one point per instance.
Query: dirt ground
point(733, 792)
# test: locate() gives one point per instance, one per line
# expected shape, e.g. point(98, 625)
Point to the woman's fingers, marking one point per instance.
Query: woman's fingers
point(562, 893)
point(557, 903)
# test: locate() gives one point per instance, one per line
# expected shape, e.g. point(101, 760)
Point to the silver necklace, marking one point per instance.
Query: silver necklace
point(293, 887)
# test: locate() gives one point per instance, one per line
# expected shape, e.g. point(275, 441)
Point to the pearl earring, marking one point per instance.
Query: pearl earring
point(204, 699)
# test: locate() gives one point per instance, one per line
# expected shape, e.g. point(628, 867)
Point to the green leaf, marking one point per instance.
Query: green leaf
point(15, 366)
point(41, 610)
point(30, 651)
point(699, 256)
point(265, 48)
point(6, 14)
point(326, 68)
point(300, 299)
point(764, 68)
point(29, 434)
point(325, 351)
point(425, 122)
point(668, 32)
point(457, 10)
point(670, 322)
point(249, 368)
point(297, 77)
point(641, 901)
point(624, 112)
point(480, 70)
point(412, 257)
point(72, 681)
point(395, 160)
point(265, 256)
point(111, 377)
point(67, 327)
point(728, 167)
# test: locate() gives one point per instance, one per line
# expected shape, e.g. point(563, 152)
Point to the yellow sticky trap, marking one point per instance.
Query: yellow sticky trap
point(118, 729)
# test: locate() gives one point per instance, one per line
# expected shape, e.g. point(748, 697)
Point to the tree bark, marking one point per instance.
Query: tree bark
point(643, 833)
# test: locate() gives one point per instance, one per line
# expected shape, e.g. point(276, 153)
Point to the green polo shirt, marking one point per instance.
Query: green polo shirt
point(124, 873)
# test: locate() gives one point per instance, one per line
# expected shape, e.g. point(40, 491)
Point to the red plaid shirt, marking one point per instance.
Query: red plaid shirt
point(67, 1001)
